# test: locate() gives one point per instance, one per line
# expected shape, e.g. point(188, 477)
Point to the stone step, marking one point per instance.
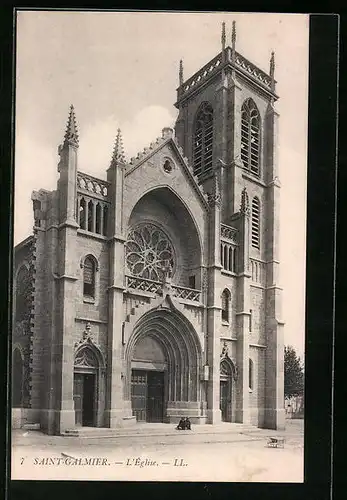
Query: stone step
point(157, 430)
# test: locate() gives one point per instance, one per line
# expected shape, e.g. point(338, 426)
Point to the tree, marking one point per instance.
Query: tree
point(293, 373)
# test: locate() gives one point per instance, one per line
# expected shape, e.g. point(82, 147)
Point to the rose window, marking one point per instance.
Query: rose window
point(149, 253)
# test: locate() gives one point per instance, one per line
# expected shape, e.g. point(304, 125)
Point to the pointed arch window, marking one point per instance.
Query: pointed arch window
point(255, 222)
point(89, 269)
point(82, 213)
point(203, 140)
point(250, 137)
point(225, 305)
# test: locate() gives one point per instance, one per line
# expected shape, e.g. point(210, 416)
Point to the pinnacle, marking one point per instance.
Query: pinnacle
point(233, 34)
point(71, 134)
point(272, 63)
point(223, 36)
point(118, 150)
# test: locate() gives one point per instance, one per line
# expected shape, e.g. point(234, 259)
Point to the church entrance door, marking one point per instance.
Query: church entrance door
point(84, 398)
point(147, 395)
point(225, 400)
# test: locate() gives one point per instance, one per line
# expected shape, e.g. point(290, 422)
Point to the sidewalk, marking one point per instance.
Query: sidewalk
point(209, 453)
point(161, 434)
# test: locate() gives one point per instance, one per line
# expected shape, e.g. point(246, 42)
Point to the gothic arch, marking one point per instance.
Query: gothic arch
point(228, 368)
point(170, 195)
point(88, 355)
point(227, 389)
point(91, 256)
point(89, 368)
point(181, 346)
point(164, 208)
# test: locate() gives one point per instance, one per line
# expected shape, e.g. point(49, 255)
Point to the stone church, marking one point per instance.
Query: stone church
point(153, 293)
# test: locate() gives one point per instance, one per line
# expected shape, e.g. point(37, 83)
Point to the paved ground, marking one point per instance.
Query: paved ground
point(231, 455)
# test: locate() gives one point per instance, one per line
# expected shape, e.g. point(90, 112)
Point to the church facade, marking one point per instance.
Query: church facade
point(154, 293)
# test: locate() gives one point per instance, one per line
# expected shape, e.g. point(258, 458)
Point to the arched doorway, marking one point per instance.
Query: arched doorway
point(163, 359)
point(227, 373)
point(148, 377)
point(88, 386)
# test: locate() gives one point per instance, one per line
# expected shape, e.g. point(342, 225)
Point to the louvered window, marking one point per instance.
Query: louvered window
point(250, 137)
point(89, 278)
point(255, 223)
point(203, 141)
point(225, 305)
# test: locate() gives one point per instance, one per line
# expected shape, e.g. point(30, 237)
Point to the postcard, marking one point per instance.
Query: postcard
point(160, 246)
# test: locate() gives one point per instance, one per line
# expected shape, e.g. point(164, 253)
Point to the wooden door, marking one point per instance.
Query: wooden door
point(139, 394)
point(88, 419)
point(78, 397)
point(155, 397)
point(224, 399)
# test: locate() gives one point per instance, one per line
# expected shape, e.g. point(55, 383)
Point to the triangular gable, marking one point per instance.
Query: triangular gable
point(148, 153)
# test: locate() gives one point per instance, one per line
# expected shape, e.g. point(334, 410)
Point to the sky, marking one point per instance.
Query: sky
point(120, 69)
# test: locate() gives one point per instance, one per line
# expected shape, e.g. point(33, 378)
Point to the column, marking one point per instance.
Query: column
point(243, 317)
point(213, 303)
point(274, 416)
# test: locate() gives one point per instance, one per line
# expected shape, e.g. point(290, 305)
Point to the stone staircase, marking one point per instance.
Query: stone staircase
point(150, 430)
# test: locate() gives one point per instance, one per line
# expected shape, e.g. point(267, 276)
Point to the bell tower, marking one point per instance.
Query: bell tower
point(227, 128)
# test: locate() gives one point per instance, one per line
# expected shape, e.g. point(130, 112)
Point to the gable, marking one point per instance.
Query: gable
point(149, 174)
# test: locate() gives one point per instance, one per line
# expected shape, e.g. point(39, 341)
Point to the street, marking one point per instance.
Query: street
point(231, 456)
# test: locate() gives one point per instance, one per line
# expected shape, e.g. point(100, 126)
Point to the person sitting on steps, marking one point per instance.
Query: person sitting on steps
point(181, 424)
point(188, 424)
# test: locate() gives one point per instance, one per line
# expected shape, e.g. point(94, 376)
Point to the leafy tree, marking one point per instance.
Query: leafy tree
point(293, 373)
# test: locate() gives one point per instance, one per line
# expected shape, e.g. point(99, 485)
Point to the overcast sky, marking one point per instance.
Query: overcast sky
point(121, 70)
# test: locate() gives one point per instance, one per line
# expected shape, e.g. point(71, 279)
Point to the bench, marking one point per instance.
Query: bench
point(276, 442)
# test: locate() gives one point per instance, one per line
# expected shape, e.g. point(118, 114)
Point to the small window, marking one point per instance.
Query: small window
point(105, 221)
point(255, 234)
point(98, 218)
point(82, 214)
point(225, 305)
point(90, 216)
point(167, 166)
point(192, 282)
point(250, 374)
point(89, 278)
point(250, 320)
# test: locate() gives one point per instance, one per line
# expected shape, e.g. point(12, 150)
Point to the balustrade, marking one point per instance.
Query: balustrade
point(147, 285)
point(92, 185)
point(240, 62)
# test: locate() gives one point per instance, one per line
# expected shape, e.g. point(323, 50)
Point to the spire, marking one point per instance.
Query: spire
point(223, 36)
point(272, 74)
point(181, 73)
point(233, 35)
point(118, 150)
point(71, 134)
point(272, 65)
point(244, 209)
